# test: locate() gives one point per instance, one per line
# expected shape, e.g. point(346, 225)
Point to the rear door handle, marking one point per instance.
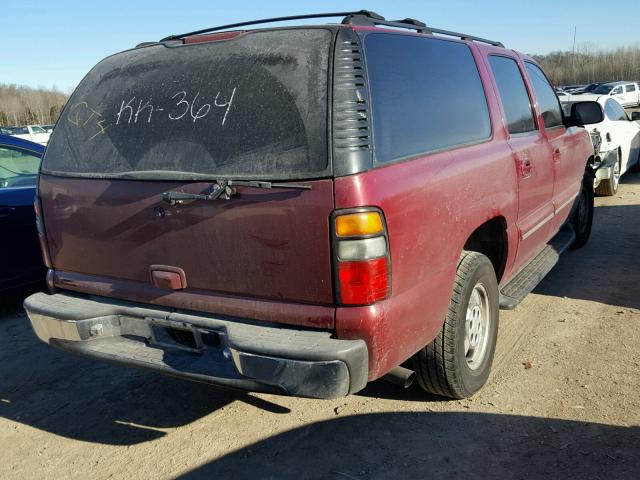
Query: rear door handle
point(6, 211)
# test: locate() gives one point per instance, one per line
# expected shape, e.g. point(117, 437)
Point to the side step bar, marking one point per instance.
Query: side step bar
point(512, 293)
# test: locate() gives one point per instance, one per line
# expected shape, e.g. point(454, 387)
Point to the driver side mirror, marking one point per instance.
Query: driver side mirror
point(584, 113)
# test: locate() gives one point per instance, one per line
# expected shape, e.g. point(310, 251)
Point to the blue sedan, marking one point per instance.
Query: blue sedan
point(20, 257)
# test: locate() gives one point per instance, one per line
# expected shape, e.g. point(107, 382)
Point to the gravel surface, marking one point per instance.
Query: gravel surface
point(563, 401)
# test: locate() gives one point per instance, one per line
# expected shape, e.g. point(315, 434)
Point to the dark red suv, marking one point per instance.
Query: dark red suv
point(301, 210)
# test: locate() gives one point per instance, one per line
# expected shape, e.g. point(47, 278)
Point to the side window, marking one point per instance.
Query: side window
point(631, 88)
point(616, 91)
point(547, 100)
point(18, 168)
point(614, 111)
point(426, 95)
point(513, 93)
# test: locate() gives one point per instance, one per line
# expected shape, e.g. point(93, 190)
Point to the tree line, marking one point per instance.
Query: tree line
point(589, 64)
point(21, 105)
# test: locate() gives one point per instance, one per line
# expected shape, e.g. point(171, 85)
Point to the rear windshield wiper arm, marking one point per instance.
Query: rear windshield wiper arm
point(225, 189)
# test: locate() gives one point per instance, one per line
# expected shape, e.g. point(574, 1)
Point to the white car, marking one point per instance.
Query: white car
point(35, 133)
point(616, 142)
point(626, 93)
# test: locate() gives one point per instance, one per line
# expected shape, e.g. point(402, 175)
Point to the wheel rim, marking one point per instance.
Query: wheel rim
point(477, 326)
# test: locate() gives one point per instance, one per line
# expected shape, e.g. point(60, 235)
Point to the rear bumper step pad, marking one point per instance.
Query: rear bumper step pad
point(230, 353)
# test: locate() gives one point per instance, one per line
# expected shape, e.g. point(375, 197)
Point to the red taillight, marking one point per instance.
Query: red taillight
point(361, 247)
point(362, 283)
point(42, 237)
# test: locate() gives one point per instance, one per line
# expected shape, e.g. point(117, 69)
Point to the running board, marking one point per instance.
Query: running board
point(532, 274)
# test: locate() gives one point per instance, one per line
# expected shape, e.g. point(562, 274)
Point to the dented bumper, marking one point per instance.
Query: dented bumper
point(225, 352)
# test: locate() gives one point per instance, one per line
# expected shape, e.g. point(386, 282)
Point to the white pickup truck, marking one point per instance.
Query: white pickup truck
point(35, 133)
point(626, 94)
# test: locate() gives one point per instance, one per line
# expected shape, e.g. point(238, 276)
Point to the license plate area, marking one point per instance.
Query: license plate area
point(163, 333)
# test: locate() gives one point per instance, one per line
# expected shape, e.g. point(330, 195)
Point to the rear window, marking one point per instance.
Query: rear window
point(426, 95)
point(251, 107)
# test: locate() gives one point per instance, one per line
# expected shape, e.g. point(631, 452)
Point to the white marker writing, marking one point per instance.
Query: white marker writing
point(123, 107)
point(197, 115)
point(228, 105)
point(182, 100)
point(142, 108)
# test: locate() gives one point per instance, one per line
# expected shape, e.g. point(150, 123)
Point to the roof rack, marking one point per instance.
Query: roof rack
point(464, 36)
point(363, 13)
point(360, 17)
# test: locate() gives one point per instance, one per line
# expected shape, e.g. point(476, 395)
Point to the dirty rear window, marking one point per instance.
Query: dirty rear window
point(251, 107)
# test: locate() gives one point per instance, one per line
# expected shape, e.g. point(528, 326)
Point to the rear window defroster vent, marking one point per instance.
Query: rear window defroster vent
point(351, 115)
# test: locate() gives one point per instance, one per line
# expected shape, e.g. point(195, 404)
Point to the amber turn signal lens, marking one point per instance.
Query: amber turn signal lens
point(363, 223)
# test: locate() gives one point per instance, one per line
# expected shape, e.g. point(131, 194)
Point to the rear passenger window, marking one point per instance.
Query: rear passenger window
point(426, 95)
point(547, 100)
point(631, 88)
point(513, 93)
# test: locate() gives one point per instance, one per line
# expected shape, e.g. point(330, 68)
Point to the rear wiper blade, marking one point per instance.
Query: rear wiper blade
point(261, 184)
point(225, 189)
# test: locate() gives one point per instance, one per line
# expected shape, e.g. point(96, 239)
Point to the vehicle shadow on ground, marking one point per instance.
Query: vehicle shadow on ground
point(83, 399)
point(607, 269)
point(436, 445)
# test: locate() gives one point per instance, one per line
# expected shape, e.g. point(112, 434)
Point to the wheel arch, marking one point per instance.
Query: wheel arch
point(490, 239)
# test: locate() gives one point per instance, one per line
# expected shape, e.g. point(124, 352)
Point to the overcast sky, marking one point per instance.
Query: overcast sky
point(55, 42)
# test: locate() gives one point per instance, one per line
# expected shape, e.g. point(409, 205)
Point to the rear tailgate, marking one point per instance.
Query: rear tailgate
point(270, 244)
point(180, 118)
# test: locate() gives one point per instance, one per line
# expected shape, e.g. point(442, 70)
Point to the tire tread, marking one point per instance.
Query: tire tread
point(435, 364)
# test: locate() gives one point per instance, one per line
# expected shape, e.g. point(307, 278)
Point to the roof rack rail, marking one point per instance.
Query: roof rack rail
point(360, 17)
point(464, 36)
point(360, 13)
point(363, 18)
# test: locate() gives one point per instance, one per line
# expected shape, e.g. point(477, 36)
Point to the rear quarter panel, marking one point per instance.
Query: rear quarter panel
point(432, 204)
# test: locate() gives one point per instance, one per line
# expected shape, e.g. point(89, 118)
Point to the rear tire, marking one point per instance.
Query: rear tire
point(609, 186)
point(582, 216)
point(458, 361)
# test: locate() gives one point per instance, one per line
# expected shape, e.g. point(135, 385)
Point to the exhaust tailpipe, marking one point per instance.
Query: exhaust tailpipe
point(403, 377)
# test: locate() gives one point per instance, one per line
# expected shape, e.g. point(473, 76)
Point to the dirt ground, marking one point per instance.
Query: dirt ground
point(574, 414)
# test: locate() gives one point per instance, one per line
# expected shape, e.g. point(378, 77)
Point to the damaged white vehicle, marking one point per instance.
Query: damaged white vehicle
point(616, 143)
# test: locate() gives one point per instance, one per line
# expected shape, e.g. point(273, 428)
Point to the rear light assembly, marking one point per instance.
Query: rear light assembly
point(42, 237)
point(362, 261)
